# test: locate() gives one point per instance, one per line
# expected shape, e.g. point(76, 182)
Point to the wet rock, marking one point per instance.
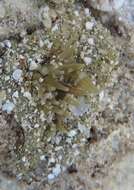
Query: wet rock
point(106, 5)
point(121, 175)
point(6, 184)
point(127, 12)
point(45, 17)
point(118, 15)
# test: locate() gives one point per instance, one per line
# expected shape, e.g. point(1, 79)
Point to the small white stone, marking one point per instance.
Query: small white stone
point(57, 170)
point(41, 43)
point(76, 13)
point(87, 13)
point(60, 157)
point(7, 78)
point(55, 28)
point(27, 95)
point(101, 96)
point(48, 43)
point(90, 41)
point(33, 65)
point(15, 94)
point(22, 90)
point(72, 133)
point(7, 44)
point(22, 57)
point(42, 157)
point(83, 129)
point(24, 159)
point(41, 79)
point(36, 125)
point(8, 106)
point(51, 177)
point(87, 60)
point(42, 116)
point(19, 176)
point(73, 22)
point(76, 152)
point(17, 75)
point(89, 25)
point(115, 143)
point(45, 17)
point(82, 55)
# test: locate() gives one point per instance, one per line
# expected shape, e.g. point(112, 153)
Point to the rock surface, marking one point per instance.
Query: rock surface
point(106, 5)
point(116, 14)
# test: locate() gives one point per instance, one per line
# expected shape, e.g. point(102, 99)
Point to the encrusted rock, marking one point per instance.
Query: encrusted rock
point(106, 5)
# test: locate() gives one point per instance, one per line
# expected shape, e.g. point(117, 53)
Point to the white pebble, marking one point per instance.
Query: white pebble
point(115, 143)
point(15, 94)
point(42, 116)
point(87, 60)
point(41, 43)
point(36, 126)
point(90, 41)
point(7, 44)
point(8, 106)
point(24, 159)
point(72, 133)
point(42, 157)
point(17, 75)
point(57, 170)
point(48, 43)
point(83, 129)
point(76, 13)
point(89, 25)
point(87, 13)
point(33, 65)
point(27, 95)
point(51, 177)
point(101, 96)
point(45, 17)
point(55, 28)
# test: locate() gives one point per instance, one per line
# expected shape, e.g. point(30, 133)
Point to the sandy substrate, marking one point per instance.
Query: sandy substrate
point(100, 161)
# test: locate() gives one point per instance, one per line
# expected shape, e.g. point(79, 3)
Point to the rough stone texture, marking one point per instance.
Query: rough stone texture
point(121, 174)
point(106, 5)
point(11, 139)
point(6, 184)
point(7, 138)
point(117, 15)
